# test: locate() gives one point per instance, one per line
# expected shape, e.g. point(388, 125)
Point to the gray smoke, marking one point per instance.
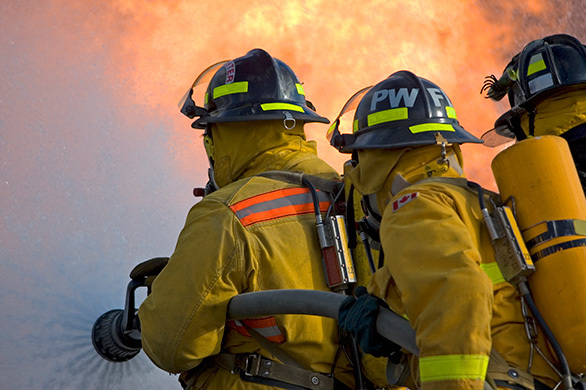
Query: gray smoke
point(89, 187)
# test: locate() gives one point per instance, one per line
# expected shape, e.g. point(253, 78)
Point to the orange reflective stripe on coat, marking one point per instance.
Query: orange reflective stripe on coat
point(266, 327)
point(278, 204)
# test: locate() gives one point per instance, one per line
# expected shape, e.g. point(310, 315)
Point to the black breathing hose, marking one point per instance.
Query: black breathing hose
point(566, 373)
point(314, 197)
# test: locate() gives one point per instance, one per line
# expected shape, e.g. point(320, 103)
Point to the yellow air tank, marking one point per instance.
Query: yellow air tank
point(540, 175)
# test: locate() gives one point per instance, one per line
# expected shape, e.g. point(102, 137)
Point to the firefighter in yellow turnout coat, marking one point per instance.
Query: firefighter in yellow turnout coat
point(440, 270)
point(254, 233)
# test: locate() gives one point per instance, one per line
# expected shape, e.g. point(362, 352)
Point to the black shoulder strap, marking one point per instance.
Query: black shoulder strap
point(296, 177)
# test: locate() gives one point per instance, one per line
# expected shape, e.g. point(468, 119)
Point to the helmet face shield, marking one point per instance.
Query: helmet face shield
point(187, 105)
point(402, 110)
point(341, 131)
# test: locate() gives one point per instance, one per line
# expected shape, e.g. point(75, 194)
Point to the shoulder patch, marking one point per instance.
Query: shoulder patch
point(402, 201)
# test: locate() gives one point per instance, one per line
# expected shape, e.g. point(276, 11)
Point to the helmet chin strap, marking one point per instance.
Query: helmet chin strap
point(209, 148)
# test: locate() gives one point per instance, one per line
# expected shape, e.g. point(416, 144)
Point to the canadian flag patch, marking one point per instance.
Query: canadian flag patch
point(402, 201)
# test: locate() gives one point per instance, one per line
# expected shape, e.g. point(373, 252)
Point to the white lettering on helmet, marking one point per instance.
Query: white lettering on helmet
point(408, 96)
point(379, 96)
point(230, 72)
point(395, 97)
point(437, 94)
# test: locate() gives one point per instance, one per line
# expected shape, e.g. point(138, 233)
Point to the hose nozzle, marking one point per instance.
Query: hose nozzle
point(116, 333)
point(111, 341)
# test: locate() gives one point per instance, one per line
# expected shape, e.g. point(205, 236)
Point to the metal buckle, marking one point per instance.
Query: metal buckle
point(252, 365)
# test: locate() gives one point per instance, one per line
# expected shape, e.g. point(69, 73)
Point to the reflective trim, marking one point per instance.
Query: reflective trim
point(281, 106)
point(394, 114)
point(540, 83)
point(431, 127)
point(493, 271)
point(278, 204)
point(537, 64)
point(300, 89)
point(453, 367)
point(229, 89)
point(451, 112)
point(266, 327)
point(355, 126)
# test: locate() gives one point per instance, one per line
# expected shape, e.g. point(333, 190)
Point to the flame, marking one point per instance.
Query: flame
point(335, 50)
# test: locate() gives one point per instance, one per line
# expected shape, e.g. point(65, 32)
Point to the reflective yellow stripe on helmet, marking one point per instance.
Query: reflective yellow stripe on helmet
point(451, 112)
point(493, 271)
point(300, 89)
point(280, 106)
point(228, 89)
point(453, 367)
point(394, 114)
point(536, 64)
point(431, 127)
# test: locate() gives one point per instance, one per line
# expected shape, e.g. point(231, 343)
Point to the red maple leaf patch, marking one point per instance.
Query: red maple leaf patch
point(402, 201)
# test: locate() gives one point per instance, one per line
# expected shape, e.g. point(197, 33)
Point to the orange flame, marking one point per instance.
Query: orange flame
point(335, 49)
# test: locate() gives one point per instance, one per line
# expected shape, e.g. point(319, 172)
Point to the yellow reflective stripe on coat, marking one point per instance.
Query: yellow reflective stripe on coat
point(493, 271)
point(228, 89)
point(452, 367)
point(280, 106)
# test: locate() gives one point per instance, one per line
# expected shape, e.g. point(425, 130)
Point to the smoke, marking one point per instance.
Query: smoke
point(97, 164)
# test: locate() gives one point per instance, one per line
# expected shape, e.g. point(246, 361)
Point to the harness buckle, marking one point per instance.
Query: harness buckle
point(249, 365)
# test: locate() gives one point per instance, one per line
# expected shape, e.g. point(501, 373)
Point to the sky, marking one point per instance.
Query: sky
point(97, 165)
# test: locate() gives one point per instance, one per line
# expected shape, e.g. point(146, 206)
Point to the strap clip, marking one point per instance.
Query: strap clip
point(249, 365)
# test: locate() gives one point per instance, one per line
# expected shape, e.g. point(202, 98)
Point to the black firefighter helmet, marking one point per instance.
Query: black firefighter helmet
point(402, 110)
point(545, 68)
point(253, 87)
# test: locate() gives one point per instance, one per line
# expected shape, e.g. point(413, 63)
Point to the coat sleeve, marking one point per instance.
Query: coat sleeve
point(434, 261)
point(182, 320)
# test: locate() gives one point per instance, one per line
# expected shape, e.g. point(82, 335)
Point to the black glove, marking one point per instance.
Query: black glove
point(357, 316)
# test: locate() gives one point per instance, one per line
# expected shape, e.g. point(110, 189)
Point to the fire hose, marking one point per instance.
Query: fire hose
point(116, 333)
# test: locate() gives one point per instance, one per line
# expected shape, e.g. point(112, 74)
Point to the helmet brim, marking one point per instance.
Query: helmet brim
point(385, 137)
point(254, 112)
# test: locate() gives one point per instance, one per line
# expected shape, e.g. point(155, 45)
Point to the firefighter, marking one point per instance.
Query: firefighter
point(251, 232)
point(439, 269)
point(546, 85)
